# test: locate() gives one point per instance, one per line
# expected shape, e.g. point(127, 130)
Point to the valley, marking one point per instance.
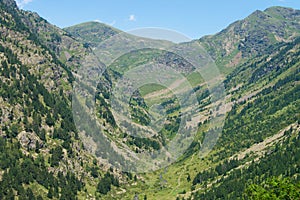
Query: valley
point(92, 112)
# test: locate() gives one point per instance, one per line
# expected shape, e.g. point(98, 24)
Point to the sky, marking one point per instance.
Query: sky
point(192, 18)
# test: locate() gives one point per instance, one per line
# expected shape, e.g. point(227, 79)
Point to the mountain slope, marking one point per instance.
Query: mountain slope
point(44, 157)
point(260, 58)
point(41, 156)
point(252, 36)
point(92, 33)
point(263, 100)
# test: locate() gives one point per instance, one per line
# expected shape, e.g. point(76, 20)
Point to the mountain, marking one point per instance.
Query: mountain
point(41, 154)
point(259, 59)
point(259, 139)
point(252, 36)
point(92, 33)
point(45, 154)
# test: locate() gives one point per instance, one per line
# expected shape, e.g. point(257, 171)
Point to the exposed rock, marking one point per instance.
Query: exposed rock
point(29, 140)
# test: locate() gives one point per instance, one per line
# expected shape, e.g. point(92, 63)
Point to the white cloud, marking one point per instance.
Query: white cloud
point(132, 18)
point(98, 20)
point(22, 3)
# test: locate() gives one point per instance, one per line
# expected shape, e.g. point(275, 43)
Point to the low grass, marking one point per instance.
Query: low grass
point(150, 88)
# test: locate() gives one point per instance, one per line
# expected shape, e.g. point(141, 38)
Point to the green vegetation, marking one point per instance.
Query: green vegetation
point(21, 172)
point(280, 161)
point(43, 156)
point(274, 188)
point(104, 185)
point(91, 33)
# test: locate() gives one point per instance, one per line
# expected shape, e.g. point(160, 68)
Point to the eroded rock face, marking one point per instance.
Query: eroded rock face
point(29, 140)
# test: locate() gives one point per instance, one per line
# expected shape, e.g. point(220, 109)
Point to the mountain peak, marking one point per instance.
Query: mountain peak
point(91, 33)
point(279, 9)
point(252, 35)
point(258, 14)
point(283, 12)
point(91, 24)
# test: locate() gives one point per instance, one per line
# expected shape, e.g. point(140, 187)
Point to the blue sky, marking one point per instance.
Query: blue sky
point(194, 18)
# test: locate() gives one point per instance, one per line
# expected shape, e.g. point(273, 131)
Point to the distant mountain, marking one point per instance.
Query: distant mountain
point(92, 33)
point(252, 36)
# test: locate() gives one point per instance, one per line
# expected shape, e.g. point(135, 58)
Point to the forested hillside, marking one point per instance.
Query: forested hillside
point(43, 154)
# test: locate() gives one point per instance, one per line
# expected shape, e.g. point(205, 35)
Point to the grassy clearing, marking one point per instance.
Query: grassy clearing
point(150, 88)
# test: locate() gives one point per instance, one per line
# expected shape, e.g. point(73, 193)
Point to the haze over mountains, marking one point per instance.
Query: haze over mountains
point(45, 155)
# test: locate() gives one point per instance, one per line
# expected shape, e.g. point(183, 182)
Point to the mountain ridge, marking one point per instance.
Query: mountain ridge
point(99, 30)
point(251, 36)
